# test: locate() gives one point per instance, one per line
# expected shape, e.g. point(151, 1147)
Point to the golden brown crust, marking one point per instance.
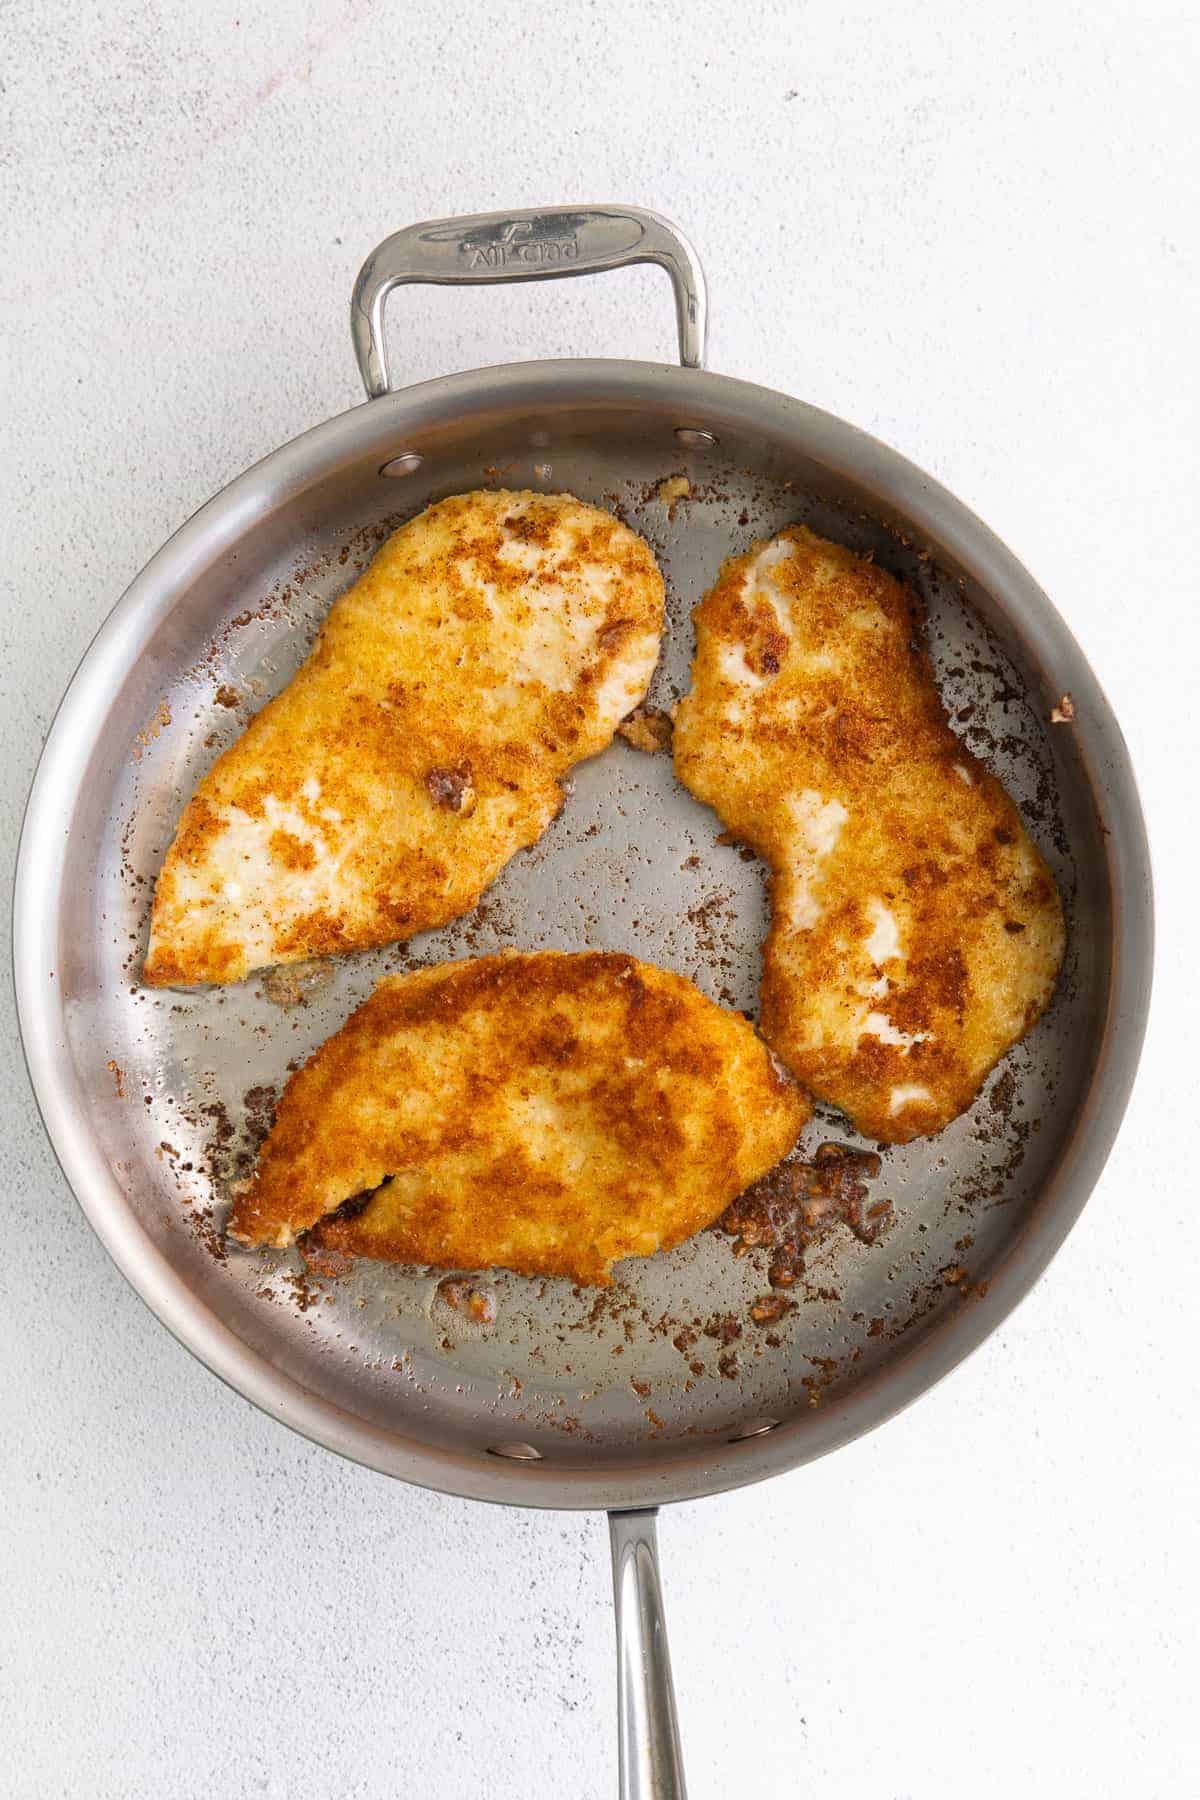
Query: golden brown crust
point(916, 932)
point(493, 642)
point(543, 1112)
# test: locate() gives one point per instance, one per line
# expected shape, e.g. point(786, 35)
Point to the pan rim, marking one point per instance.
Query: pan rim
point(713, 1468)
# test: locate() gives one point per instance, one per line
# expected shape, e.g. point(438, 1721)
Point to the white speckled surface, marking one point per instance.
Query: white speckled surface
point(977, 233)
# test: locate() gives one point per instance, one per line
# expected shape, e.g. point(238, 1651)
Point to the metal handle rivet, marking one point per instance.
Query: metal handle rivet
point(695, 438)
point(754, 1428)
point(516, 1452)
point(406, 464)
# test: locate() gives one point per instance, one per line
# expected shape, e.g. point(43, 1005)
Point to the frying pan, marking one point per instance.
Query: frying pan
point(662, 1388)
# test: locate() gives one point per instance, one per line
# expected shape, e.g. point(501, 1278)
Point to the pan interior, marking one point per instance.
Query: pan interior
point(668, 1362)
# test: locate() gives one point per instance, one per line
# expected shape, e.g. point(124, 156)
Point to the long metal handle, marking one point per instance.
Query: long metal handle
point(651, 1758)
point(538, 243)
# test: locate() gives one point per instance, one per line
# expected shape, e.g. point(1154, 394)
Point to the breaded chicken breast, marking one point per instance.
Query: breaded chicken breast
point(916, 933)
point(492, 643)
point(545, 1113)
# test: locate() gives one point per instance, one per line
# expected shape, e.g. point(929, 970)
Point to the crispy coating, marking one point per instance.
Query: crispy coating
point(493, 642)
point(542, 1112)
point(916, 933)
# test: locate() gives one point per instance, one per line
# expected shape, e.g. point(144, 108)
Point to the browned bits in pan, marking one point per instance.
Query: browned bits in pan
point(647, 728)
point(770, 1308)
point(462, 1296)
point(798, 1203)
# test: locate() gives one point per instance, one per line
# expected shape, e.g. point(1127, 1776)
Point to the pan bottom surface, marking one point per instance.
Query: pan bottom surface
point(680, 1355)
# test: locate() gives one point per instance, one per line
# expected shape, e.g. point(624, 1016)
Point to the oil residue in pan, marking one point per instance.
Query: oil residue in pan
point(697, 1340)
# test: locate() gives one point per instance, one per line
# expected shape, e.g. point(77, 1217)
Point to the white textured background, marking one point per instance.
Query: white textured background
point(974, 231)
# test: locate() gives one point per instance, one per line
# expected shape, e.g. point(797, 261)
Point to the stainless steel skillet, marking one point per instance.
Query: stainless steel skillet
point(667, 1388)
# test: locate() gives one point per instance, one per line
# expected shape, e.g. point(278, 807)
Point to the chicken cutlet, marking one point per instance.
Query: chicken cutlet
point(541, 1112)
point(493, 642)
point(916, 933)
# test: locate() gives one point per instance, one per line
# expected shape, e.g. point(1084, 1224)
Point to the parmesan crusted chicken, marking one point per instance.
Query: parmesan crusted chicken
point(916, 933)
point(542, 1112)
point(492, 643)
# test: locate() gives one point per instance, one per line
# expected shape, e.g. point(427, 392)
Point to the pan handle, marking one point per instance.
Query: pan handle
point(650, 1755)
point(536, 243)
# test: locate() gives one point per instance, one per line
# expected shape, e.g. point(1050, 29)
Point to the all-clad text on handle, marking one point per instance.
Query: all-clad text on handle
point(540, 243)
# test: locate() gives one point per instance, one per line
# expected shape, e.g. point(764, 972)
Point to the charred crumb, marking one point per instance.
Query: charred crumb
point(295, 984)
point(158, 724)
point(1000, 1123)
point(770, 1307)
point(709, 920)
point(671, 490)
point(207, 1234)
point(956, 1275)
point(330, 1264)
point(305, 1294)
point(218, 1150)
point(743, 849)
point(463, 1296)
point(1064, 712)
point(1002, 1097)
point(647, 728)
point(799, 1203)
point(260, 1103)
point(830, 1296)
point(452, 789)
